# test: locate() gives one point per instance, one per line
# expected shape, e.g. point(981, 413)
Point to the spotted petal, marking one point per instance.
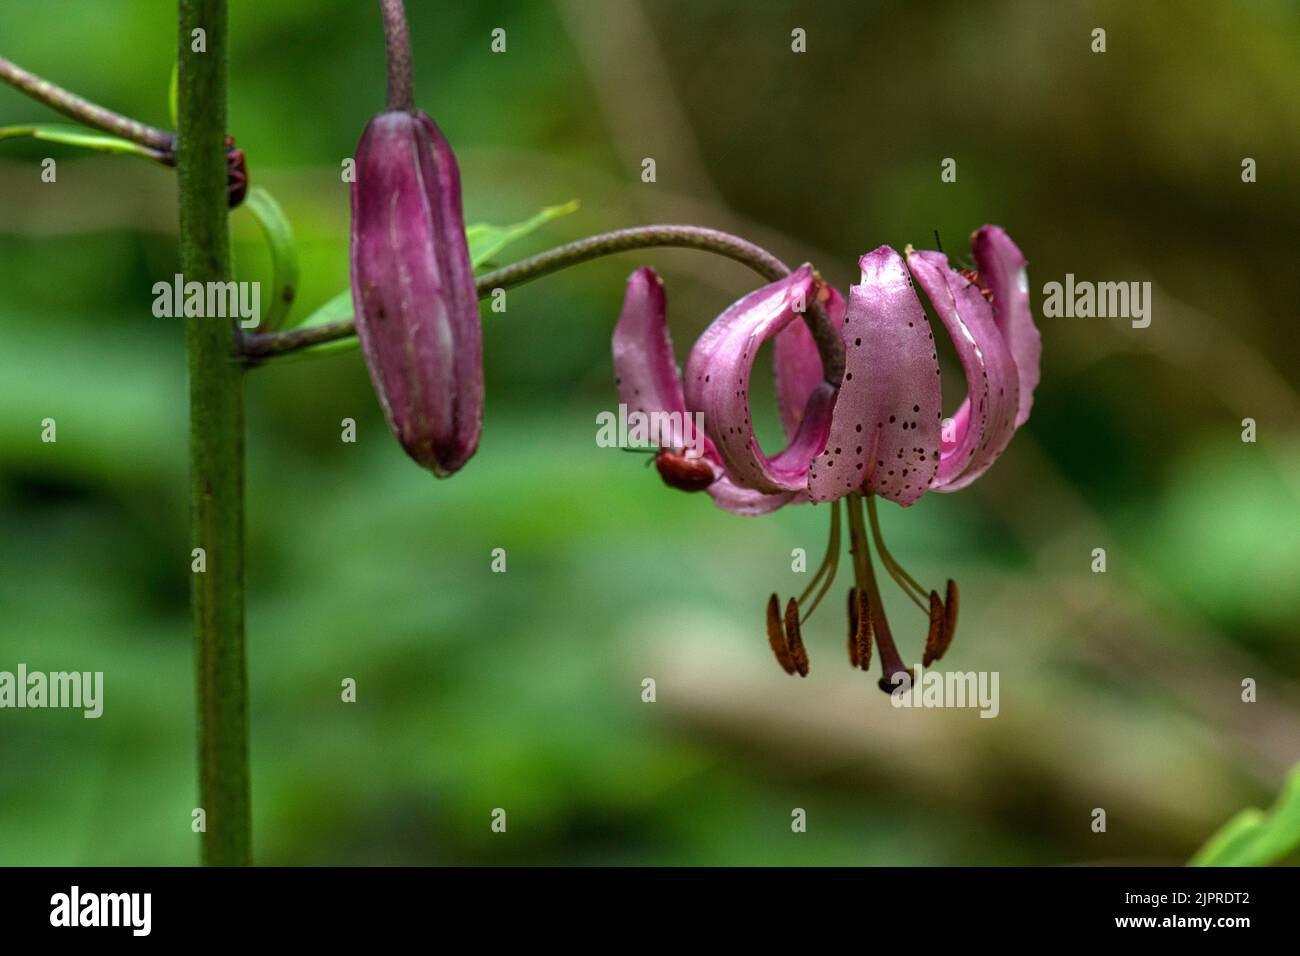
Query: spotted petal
point(1002, 269)
point(717, 384)
point(986, 420)
point(885, 430)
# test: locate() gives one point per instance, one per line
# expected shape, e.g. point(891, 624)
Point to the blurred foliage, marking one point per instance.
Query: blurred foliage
point(522, 690)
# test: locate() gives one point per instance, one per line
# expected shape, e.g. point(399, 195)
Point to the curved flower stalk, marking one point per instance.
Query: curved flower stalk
point(881, 434)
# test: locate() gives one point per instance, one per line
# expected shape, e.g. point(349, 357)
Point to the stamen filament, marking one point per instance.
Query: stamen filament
point(905, 581)
point(830, 565)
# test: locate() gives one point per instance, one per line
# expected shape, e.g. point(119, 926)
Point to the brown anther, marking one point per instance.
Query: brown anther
point(776, 636)
point(798, 653)
point(854, 655)
point(859, 630)
point(936, 640)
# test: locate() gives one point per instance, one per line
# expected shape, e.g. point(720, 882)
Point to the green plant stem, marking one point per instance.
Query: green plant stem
point(84, 111)
point(263, 346)
point(216, 444)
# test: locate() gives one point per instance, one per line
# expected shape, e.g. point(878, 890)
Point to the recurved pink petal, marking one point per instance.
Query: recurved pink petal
point(744, 501)
point(798, 364)
point(1001, 267)
point(645, 370)
point(987, 419)
point(717, 384)
point(885, 428)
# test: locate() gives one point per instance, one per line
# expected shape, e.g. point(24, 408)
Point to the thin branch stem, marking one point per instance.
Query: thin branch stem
point(401, 79)
point(84, 111)
point(267, 345)
point(216, 444)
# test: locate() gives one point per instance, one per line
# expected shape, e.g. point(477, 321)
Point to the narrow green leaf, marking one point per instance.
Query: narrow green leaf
point(76, 136)
point(335, 310)
point(1279, 835)
point(284, 256)
point(1225, 847)
point(486, 240)
point(1254, 838)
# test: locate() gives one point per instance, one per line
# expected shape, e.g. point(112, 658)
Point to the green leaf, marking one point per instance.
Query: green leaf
point(486, 240)
point(284, 256)
point(1255, 838)
point(76, 136)
point(1225, 846)
point(335, 310)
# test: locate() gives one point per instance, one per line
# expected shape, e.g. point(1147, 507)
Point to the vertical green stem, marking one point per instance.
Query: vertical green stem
point(216, 440)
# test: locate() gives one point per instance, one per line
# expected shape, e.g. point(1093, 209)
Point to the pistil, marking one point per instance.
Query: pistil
point(891, 663)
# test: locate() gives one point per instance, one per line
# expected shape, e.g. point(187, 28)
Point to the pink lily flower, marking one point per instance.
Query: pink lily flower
point(880, 433)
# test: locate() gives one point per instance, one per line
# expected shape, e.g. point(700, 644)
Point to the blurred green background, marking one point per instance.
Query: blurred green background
point(523, 690)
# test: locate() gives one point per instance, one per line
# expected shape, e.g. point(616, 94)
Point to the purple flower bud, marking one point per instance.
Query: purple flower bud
point(413, 290)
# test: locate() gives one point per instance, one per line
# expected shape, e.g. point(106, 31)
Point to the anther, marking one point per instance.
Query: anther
point(935, 643)
point(794, 640)
point(859, 630)
point(855, 656)
point(776, 636)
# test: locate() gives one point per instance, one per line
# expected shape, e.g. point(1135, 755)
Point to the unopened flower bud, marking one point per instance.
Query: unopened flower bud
point(413, 290)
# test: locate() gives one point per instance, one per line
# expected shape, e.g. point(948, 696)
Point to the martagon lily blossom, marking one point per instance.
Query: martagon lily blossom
point(879, 432)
